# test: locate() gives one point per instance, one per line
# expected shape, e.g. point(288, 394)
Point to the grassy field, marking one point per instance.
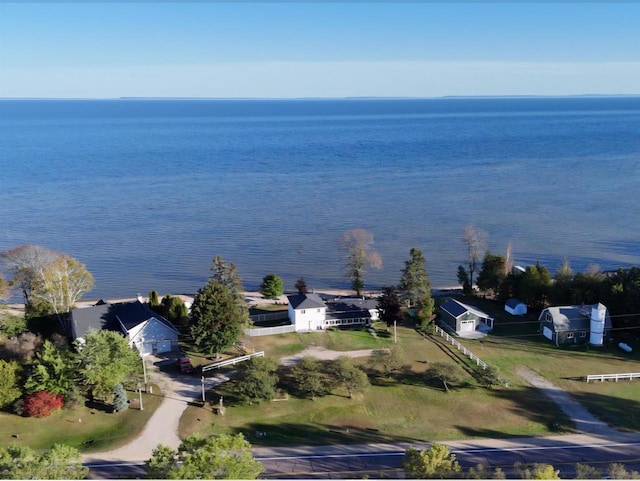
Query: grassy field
point(409, 408)
point(89, 430)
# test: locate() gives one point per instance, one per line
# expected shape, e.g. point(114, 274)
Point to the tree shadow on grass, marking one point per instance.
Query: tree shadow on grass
point(290, 434)
point(532, 404)
point(620, 413)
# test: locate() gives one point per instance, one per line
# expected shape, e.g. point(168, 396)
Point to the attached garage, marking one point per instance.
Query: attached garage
point(164, 346)
point(467, 326)
point(146, 330)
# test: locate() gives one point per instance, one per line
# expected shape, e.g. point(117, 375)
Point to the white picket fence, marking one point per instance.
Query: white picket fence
point(613, 377)
point(461, 348)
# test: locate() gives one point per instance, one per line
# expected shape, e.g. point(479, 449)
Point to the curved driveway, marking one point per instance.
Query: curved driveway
point(178, 392)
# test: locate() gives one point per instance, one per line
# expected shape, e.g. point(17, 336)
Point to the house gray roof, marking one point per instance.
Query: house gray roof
point(574, 318)
point(350, 308)
point(457, 308)
point(109, 316)
point(305, 301)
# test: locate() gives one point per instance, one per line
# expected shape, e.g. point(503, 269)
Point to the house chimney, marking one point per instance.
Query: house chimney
point(140, 299)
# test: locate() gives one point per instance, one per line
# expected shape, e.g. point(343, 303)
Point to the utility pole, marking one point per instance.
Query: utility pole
point(395, 332)
point(140, 395)
point(144, 371)
point(202, 381)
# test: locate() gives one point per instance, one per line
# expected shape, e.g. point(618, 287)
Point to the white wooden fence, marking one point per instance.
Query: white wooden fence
point(268, 331)
point(233, 360)
point(460, 347)
point(615, 377)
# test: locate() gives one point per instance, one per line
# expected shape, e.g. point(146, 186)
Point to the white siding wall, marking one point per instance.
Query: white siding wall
point(153, 335)
point(309, 319)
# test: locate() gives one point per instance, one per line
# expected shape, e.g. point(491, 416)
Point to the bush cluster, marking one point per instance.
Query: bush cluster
point(42, 403)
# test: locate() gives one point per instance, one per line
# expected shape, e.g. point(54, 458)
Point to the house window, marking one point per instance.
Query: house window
point(569, 335)
point(303, 311)
point(583, 334)
point(318, 310)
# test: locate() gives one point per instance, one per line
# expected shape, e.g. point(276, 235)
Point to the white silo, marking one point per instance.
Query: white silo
point(598, 314)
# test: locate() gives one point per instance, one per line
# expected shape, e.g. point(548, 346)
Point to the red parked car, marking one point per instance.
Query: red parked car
point(185, 366)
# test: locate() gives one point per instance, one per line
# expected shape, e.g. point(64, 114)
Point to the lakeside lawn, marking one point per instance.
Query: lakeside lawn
point(89, 430)
point(409, 408)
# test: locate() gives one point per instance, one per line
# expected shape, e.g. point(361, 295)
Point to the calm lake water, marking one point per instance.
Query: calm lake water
point(147, 192)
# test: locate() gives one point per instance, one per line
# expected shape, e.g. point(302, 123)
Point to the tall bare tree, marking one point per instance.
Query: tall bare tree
point(475, 241)
point(5, 291)
point(508, 260)
point(61, 283)
point(357, 243)
point(25, 264)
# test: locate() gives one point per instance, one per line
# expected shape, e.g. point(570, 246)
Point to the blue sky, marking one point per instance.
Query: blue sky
point(299, 49)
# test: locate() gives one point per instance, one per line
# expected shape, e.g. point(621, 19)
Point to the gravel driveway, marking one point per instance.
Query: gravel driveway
point(178, 390)
point(585, 422)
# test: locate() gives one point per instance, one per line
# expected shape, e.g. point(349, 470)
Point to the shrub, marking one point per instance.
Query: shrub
point(40, 404)
point(120, 401)
point(10, 380)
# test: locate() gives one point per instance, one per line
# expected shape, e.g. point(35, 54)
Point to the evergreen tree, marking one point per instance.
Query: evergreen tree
point(153, 299)
point(217, 321)
point(463, 279)
point(120, 400)
point(492, 273)
point(9, 382)
point(55, 369)
point(229, 277)
point(415, 280)
point(271, 286)
point(534, 285)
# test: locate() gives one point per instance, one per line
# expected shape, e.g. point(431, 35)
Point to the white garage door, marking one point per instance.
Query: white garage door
point(164, 346)
point(548, 333)
point(466, 326)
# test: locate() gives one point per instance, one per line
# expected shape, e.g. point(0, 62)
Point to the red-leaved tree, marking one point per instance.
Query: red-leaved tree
point(41, 403)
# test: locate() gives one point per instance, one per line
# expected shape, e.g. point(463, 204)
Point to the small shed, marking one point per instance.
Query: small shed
point(515, 307)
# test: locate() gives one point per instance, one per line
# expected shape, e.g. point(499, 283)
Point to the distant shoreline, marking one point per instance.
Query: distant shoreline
point(252, 297)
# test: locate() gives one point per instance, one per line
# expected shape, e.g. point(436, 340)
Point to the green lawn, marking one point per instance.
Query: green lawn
point(407, 408)
point(89, 430)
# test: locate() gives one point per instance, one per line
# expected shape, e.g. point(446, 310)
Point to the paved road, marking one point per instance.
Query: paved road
point(385, 460)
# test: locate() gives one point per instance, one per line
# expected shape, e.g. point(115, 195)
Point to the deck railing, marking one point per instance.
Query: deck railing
point(461, 348)
point(613, 377)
